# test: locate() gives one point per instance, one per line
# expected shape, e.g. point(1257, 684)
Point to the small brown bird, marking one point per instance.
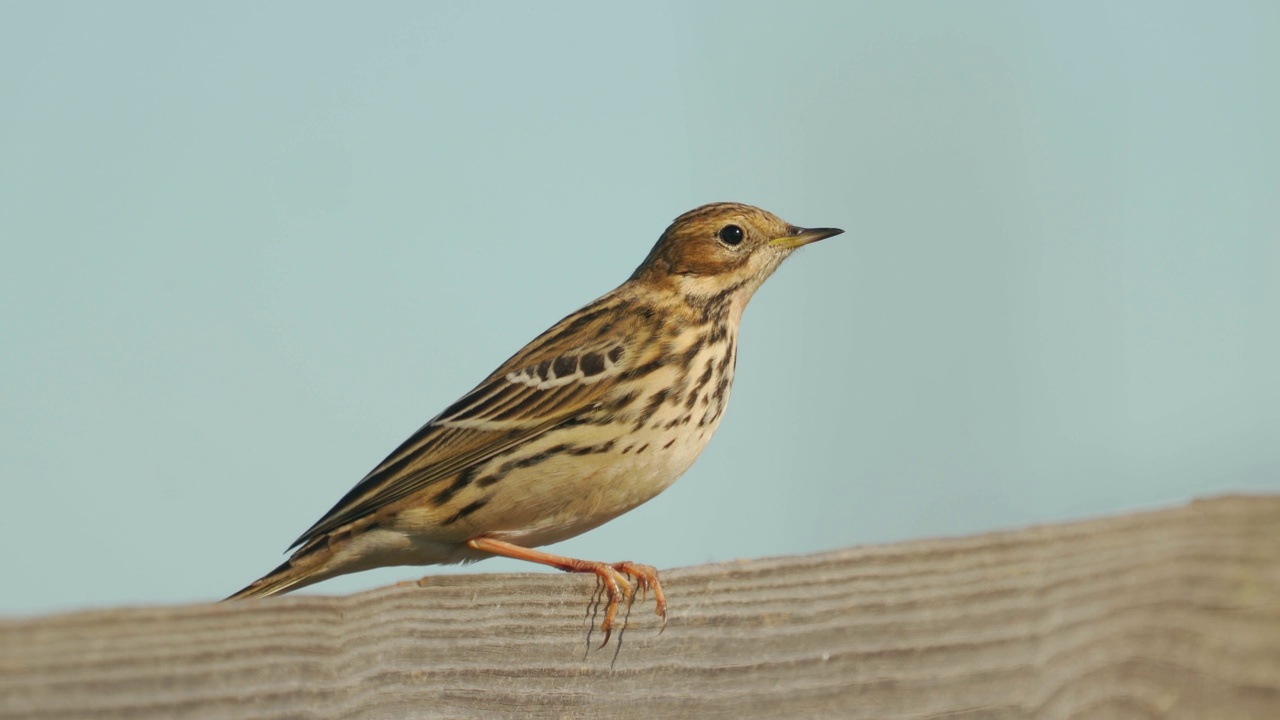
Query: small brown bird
point(594, 417)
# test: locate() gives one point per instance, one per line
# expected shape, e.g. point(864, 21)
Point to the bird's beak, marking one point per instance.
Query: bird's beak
point(803, 236)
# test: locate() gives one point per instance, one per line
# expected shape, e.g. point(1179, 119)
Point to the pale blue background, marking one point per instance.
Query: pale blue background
point(247, 249)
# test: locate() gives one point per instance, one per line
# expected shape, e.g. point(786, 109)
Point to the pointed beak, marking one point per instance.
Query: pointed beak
point(803, 236)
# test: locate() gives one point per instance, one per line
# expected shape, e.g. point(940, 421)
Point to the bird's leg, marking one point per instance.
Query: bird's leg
point(614, 577)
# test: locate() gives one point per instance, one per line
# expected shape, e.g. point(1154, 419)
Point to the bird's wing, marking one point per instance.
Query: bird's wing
point(548, 383)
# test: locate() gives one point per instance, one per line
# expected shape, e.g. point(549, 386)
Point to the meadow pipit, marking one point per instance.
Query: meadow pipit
point(594, 417)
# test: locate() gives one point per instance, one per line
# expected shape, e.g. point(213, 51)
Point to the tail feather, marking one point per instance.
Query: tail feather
point(304, 567)
point(282, 579)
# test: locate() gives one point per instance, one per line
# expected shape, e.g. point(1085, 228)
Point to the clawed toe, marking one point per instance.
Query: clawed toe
point(646, 577)
point(622, 581)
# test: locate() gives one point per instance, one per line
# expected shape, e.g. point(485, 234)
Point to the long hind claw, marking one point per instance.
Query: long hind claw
point(616, 588)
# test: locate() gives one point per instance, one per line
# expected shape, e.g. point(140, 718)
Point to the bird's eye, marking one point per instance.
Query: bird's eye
point(730, 235)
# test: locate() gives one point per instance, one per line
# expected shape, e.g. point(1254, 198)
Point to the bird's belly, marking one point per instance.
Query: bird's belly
point(574, 494)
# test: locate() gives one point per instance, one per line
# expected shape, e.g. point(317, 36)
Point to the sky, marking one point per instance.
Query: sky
point(247, 248)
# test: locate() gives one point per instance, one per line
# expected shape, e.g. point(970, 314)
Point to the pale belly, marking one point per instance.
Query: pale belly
point(571, 497)
point(639, 458)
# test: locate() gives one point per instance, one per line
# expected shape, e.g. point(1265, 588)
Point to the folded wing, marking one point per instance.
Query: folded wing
point(542, 387)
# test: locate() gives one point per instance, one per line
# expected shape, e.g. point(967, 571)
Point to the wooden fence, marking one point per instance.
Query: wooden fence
point(1167, 614)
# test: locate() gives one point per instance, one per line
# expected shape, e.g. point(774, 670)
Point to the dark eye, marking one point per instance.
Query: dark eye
point(730, 235)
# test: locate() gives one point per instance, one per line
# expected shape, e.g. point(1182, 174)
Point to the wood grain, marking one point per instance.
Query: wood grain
point(1168, 614)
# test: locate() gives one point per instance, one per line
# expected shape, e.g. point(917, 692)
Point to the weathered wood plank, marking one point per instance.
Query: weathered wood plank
point(1169, 614)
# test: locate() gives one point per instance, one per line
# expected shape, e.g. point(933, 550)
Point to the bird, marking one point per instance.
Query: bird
point(594, 417)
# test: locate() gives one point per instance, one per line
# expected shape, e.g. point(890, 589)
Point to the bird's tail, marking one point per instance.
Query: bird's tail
point(282, 579)
point(306, 566)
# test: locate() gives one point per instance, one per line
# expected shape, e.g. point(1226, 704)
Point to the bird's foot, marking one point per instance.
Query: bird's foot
point(620, 581)
point(646, 579)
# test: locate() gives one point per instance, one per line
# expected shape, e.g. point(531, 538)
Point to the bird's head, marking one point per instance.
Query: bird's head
point(723, 249)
